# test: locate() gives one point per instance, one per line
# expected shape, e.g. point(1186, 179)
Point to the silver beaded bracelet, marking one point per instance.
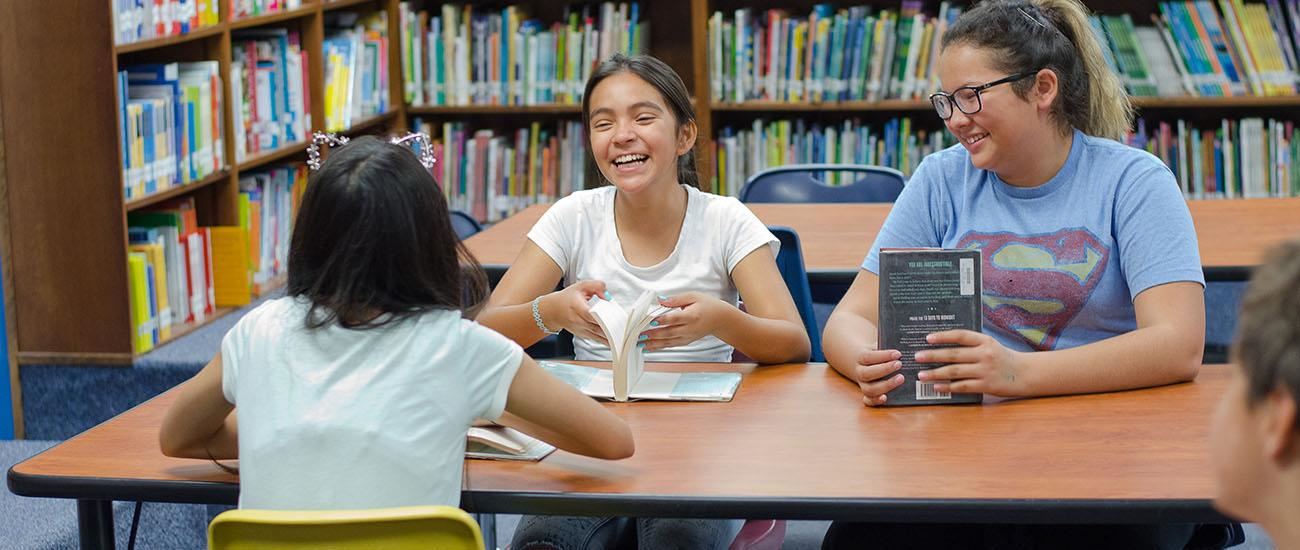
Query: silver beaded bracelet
point(537, 318)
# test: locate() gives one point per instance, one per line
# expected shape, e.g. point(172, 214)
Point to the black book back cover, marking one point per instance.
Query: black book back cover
point(924, 291)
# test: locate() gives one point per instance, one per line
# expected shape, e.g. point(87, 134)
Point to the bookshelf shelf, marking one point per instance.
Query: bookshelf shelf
point(843, 106)
point(163, 196)
point(262, 159)
point(1233, 102)
point(367, 124)
point(155, 43)
point(465, 110)
point(331, 5)
point(181, 330)
point(270, 18)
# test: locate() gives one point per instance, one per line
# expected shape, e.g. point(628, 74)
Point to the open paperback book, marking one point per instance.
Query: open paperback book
point(621, 328)
point(653, 386)
point(494, 441)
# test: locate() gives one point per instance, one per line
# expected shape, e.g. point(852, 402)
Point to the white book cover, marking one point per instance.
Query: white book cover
point(652, 386)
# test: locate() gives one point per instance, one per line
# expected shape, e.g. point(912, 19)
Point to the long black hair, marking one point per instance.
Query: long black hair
point(373, 242)
point(663, 78)
point(1029, 35)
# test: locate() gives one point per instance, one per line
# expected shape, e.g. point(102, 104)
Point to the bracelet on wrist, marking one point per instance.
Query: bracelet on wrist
point(537, 317)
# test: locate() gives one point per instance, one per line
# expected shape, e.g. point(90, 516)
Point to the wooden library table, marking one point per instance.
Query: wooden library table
point(795, 443)
point(1233, 234)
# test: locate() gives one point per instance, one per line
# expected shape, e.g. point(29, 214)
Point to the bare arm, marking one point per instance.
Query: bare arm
point(544, 407)
point(849, 341)
point(1165, 348)
point(770, 329)
point(200, 421)
point(509, 310)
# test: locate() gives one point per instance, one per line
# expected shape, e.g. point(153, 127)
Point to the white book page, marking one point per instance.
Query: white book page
point(613, 321)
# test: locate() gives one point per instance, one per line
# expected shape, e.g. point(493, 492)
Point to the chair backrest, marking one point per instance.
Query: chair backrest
point(464, 224)
point(790, 262)
point(804, 183)
point(442, 527)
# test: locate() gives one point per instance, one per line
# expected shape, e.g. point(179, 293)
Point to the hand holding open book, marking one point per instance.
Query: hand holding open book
point(622, 327)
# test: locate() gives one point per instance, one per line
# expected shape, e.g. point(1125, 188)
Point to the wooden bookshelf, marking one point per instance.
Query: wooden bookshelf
point(471, 110)
point(153, 44)
point(895, 105)
point(180, 190)
point(67, 221)
point(68, 212)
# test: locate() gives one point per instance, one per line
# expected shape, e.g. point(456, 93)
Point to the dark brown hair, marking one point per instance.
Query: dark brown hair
point(373, 235)
point(664, 79)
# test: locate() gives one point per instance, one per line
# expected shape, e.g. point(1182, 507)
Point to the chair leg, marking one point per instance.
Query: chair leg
point(487, 523)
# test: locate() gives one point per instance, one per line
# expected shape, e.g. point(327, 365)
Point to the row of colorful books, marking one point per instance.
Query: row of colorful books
point(1244, 158)
point(178, 273)
point(491, 174)
point(268, 200)
point(170, 116)
point(135, 20)
point(169, 272)
point(462, 55)
point(851, 54)
point(1194, 48)
point(270, 95)
point(741, 152)
point(242, 9)
point(356, 68)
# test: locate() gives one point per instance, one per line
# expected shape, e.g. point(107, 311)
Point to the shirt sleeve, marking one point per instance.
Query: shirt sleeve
point(1154, 230)
point(234, 346)
point(491, 365)
point(554, 236)
point(747, 233)
point(911, 222)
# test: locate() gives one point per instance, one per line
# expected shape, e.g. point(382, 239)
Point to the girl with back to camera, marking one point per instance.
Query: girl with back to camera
point(651, 228)
point(355, 390)
point(1092, 276)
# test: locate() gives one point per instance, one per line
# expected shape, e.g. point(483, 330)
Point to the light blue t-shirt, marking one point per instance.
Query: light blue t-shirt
point(1062, 261)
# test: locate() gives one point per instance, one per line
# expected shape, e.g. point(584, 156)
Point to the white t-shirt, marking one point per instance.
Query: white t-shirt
point(578, 234)
point(336, 418)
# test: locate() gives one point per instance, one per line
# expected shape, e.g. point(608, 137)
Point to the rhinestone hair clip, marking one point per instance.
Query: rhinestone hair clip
point(419, 139)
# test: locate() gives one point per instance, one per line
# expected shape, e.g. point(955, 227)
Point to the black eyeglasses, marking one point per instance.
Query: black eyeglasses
point(967, 98)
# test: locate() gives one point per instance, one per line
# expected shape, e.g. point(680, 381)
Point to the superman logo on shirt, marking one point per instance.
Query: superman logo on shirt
point(1035, 285)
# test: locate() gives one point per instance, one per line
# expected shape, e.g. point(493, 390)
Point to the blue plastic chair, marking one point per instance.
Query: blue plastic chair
point(464, 224)
point(790, 262)
point(804, 183)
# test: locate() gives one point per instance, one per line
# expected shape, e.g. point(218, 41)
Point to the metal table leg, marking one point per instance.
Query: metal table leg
point(95, 524)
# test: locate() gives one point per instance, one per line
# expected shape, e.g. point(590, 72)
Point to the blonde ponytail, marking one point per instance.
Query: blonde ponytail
point(1109, 108)
point(1029, 35)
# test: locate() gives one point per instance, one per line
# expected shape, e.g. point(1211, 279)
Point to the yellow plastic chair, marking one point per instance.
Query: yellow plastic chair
point(411, 527)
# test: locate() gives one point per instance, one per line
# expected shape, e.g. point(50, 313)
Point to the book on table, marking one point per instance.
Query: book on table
point(923, 291)
point(627, 379)
point(493, 441)
point(648, 385)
